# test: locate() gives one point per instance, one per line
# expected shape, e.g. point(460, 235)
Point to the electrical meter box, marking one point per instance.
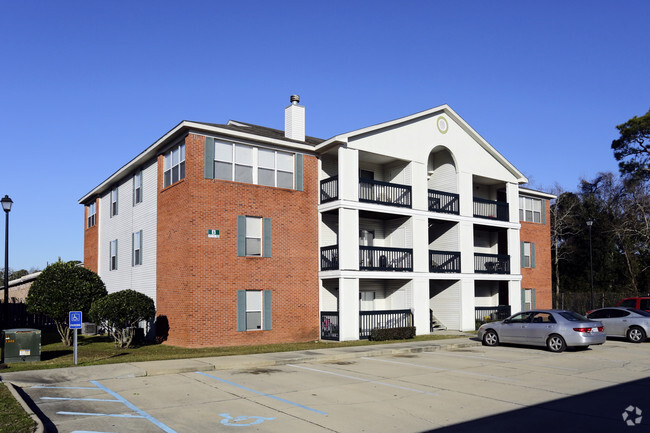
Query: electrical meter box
point(21, 345)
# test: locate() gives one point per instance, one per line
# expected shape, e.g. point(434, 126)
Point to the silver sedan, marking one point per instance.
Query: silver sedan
point(555, 329)
point(630, 323)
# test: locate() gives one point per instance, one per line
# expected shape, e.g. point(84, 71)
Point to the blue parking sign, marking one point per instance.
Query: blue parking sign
point(75, 320)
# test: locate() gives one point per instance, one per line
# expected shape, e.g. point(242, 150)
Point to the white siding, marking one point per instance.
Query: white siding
point(129, 220)
point(329, 230)
point(444, 236)
point(445, 302)
point(329, 293)
point(329, 166)
point(486, 293)
point(443, 177)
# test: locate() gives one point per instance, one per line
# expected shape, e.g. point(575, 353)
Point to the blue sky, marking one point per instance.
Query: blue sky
point(87, 85)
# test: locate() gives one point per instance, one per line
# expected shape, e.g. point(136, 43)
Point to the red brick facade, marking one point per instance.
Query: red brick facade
point(91, 239)
point(198, 277)
point(539, 277)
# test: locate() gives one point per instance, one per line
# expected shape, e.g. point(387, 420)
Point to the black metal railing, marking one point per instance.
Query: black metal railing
point(329, 325)
point(20, 318)
point(391, 194)
point(491, 263)
point(491, 209)
point(490, 314)
point(445, 202)
point(329, 189)
point(369, 320)
point(329, 258)
point(385, 259)
point(444, 261)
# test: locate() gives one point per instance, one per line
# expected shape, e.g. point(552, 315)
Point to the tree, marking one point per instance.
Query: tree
point(562, 214)
point(18, 274)
point(632, 148)
point(61, 288)
point(120, 313)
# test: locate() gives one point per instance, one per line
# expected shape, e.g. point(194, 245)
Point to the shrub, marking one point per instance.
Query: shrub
point(120, 313)
point(403, 333)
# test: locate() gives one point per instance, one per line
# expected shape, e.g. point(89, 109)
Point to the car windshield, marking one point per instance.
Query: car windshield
point(639, 312)
point(573, 317)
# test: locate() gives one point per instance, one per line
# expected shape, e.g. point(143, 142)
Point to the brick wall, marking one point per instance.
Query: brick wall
point(539, 277)
point(198, 277)
point(91, 239)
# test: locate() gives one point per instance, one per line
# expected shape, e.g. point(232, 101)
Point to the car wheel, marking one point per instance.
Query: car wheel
point(490, 338)
point(556, 343)
point(635, 335)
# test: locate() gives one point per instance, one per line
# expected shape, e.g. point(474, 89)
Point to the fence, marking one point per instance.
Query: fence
point(580, 302)
point(20, 318)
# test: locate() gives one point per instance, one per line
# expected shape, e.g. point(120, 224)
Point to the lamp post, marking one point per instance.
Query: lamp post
point(591, 264)
point(6, 206)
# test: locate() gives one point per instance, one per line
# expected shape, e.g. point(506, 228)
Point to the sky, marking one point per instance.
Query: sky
point(85, 86)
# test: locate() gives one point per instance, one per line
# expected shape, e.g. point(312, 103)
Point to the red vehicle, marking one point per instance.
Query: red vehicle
point(638, 302)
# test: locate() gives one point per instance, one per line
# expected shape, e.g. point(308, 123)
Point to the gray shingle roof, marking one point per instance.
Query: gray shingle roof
point(261, 131)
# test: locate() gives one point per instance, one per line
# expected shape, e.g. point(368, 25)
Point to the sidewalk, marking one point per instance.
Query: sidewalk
point(154, 368)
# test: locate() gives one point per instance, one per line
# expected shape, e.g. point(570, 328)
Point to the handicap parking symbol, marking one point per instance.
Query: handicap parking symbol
point(237, 422)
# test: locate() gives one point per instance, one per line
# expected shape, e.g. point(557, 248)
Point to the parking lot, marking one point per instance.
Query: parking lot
point(471, 389)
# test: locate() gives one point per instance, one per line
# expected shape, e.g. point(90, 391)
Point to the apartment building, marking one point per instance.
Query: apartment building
point(244, 234)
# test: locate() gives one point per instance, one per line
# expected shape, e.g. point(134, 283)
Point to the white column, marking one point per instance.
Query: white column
point(348, 239)
point(420, 244)
point(514, 250)
point(348, 309)
point(466, 192)
point(466, 245)
point(419, 194)
point(467, 305)
point(348, 174)
point(421, 305)
point(514, 296)
point(512, 195)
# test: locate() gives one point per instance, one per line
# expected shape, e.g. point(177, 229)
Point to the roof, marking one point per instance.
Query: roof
point(542, 194)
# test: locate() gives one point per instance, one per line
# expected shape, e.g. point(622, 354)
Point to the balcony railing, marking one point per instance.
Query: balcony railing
point(490, 209)
point(329, 258)
point(329, 189)
point(490, 314)
point(369, 320)
point(391, 194)
point(491, 263)
point(385, 259)
point(329, 325)
point(445, 202)
point(444, 261)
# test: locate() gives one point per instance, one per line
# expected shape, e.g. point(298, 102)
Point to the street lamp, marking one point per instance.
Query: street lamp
point(6, 206)
point(591, 264)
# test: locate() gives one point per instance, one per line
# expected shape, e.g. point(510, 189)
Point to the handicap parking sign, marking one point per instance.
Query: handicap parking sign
point(75, 320)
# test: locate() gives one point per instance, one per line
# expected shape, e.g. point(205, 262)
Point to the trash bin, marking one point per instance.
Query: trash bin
point(21, 345)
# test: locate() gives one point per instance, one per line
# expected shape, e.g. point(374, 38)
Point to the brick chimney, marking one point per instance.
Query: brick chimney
point(294, 120)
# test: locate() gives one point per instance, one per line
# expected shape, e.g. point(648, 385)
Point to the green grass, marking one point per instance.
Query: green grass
point(13, 418)
point(95, 350)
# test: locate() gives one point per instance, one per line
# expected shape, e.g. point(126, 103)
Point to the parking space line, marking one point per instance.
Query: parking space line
point(81, 399)
point(114, 415)
point(525, 360)
point(63, 387)
point(364, 380)
point(261, 393)
point(470, 373)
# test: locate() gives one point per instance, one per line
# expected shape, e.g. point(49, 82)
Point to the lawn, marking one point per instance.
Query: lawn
point(13, 418)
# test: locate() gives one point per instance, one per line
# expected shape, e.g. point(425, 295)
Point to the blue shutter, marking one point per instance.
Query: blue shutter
point(299, 170)
point(267, 237)
point(209, 158)
point(523, 299)
point(268, 318)
point(133, 181)
point(522, 254)
point(532, 255)
point(132, 249)
point(241, 236)
point(110, 244)
point(241, 310)
point(543, 211)
point(117, 201)
point(141, 246)
point(116, 257)
point(533, 300)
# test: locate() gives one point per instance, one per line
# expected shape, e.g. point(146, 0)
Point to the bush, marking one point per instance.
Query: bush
point(403, 333)
point(120, 313)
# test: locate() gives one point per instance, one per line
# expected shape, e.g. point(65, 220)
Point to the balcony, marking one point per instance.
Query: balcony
point(491, 263)
point(329, 258)
point(390, 194)
point(368, 320)
point(385, 259)
point(444, 261)
point(490, 209)
point(444, 202)
point(490, 314)
point(329, 189)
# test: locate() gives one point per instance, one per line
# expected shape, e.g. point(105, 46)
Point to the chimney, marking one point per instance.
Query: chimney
point(294, 120)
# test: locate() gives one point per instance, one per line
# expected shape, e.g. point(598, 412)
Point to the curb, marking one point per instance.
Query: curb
point(40, 428)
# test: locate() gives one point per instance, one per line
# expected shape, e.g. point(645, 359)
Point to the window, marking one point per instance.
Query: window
point(249, 164)
point(253, 236)
point(113, 202)
point(527, 255)
point(92, 214)
point(528, 301)
point(137, 188)
point(530, 209)
point(136, 241)
point(174, 166)
point(112, 266)
point(254, 310)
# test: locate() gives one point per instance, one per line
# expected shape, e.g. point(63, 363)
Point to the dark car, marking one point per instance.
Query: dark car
point(630, 323)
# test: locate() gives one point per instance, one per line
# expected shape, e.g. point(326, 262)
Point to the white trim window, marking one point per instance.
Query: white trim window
point(530, 209)
point(254, 236)
point(527, 255)
point(137, 188)
point(114, 202)
point(254, 310)
point(254, 165)
point(137, 248)
point(92, 214)
point(112, 266)
point(174, 166)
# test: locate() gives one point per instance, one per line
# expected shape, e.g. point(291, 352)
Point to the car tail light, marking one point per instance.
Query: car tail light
point(582, 329)
point(601, 329)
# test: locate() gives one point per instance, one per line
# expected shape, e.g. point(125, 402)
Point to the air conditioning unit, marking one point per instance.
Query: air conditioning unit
point(89, 328)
